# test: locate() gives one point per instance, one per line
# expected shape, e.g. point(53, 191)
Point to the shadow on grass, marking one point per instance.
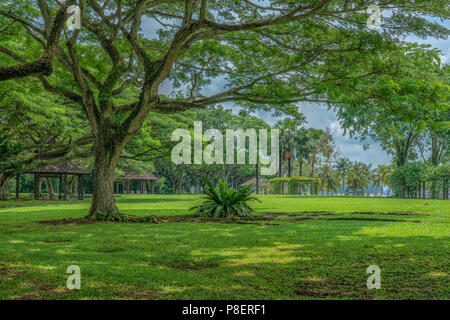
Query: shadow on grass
point(144, 199)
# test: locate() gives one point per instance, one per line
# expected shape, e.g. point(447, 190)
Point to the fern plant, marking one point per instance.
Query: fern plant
point(224, 202)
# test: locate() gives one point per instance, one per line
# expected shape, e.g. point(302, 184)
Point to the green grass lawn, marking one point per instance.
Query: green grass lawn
point(311, 258)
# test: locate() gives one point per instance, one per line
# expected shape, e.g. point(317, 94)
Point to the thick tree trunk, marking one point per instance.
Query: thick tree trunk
point(39, 187)
point(49, 185)
point(4, 187)
point(105, 160)
point(74, 185)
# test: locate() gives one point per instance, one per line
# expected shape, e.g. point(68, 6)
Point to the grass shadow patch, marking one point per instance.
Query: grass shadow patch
point(55, 240)
point(392, 213)
point(190, 264)
point(67, 221)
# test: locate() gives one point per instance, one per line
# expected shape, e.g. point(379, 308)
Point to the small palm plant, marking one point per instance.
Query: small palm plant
point(224, 202)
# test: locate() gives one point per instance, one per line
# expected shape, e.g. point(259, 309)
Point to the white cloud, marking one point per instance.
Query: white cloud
point(336, 129)
point(445, 58)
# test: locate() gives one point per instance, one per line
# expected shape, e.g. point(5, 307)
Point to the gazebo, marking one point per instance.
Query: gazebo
point(261, 185)
point(59, 170)
point(131, 175)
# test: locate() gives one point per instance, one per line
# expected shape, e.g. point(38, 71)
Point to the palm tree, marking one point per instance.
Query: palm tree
point(359, 176)
point(288, 132)
point(327, 145)
point(343, 167)
point(329, 178)
point(302, 143)
point(314, 136)
point(381, 175)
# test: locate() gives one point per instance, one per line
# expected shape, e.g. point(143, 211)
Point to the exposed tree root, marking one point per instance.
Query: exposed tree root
point(261, 220)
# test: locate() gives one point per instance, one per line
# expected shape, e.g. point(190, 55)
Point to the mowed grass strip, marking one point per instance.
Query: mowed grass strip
point(313, 258)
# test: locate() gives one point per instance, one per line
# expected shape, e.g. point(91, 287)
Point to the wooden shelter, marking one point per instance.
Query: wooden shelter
point(59, 170)
point(131, 175)
point(261, 185)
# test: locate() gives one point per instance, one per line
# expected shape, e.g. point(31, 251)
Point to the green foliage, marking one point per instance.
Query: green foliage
point(35, 123)
point(438, 173)
point(224, 202)
point(293, 183)
point(381, 176)
point(398, 109)
point(409, 177)
point(359, 177)
point(342, 167)
point(114, 217)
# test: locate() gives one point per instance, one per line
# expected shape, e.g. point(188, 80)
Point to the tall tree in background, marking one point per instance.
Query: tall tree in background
point(302, 147)
point(314, 136)
point(288, 133)
point(327, 146)
point(343, 167)
point(381, 176)
point(270, 57)
point(329, 178)
point(359, 177)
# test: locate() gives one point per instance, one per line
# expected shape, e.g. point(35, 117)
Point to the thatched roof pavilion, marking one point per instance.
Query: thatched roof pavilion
point(58, 170)
point(131, 175)
point(262, 184)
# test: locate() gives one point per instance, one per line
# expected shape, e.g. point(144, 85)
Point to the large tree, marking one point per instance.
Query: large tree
point(269, 55)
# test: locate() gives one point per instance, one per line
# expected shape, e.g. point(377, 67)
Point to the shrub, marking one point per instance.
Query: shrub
point(224, 202)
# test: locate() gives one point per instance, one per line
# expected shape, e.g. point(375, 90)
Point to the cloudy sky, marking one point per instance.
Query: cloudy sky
point(317, 115)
